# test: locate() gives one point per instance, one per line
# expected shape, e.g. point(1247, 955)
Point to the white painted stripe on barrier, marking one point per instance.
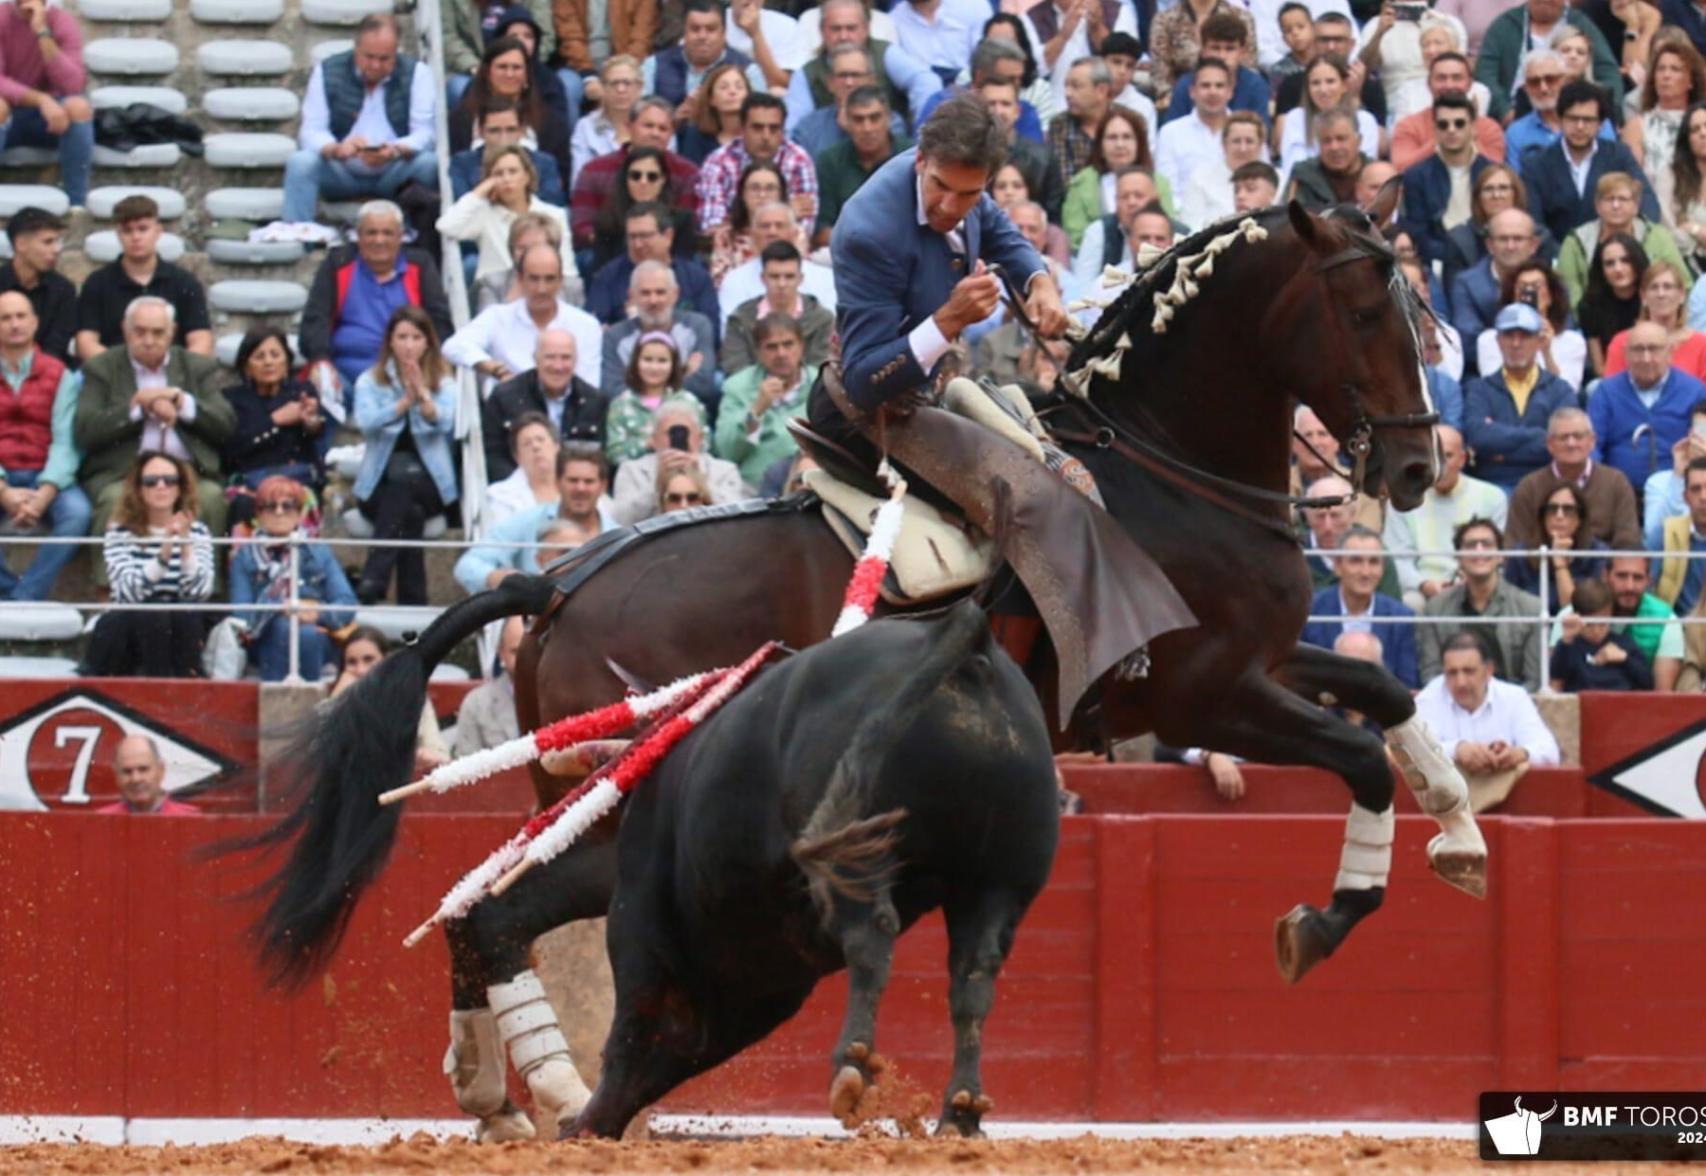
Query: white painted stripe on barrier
point(107, 1129)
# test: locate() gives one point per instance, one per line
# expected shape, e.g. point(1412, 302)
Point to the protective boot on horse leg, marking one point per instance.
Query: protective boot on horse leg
point(528, 1028)
point(1458, 852)
point(474, 1063)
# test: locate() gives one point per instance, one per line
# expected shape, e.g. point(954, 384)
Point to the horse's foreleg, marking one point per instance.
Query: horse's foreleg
point(1458, 853)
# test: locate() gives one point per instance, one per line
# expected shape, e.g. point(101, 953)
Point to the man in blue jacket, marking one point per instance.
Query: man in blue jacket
point(498, 124)
point(1505, 413)
point(1437, 190)
point(1561, 178)
point(1641, 413)
point(1511, 240)
point(1355, 598)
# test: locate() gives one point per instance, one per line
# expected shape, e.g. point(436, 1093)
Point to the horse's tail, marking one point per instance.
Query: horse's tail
point(843, 849)
point(336, 766)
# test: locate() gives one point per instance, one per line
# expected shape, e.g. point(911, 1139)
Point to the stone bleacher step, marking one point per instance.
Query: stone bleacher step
point(245, 59)
point(16, 196)
point(226, 251)
point(236, 12)
point(257, 296)
point(124, 11)
point(102, 200)
point(130, 57)
point(167, 98)
point(345, 13)
point(248, 149)
point(251, 103)
point(140, 156)
point(251, 204)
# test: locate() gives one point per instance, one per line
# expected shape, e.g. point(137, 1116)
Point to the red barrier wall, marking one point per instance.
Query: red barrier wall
point(1142, 986)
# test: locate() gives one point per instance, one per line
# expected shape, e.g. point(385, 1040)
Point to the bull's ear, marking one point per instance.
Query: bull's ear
point(1385, 201)
point(1303, 221)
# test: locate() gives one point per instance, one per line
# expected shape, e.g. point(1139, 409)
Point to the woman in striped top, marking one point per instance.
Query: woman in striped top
point(156, 552)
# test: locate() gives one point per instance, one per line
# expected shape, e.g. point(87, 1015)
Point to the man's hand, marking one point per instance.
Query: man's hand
point(688, 111)
point(1474, 757)
point(770, 390)
point(347, 148)
point(36, 504)
point(54, 115)
point(1431, 588)
point(1610, 654)
point(165, 410)
point(1043, 305)
point(13, 500)
point(34, 11)
point(1228, 780)
point(1571, 626)
point(974, 299)
point(494, 578)
point(1506, 757)
point(745, 16)
point(672, 460)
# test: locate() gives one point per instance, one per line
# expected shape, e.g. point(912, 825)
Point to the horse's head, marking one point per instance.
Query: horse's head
point(1354, 351)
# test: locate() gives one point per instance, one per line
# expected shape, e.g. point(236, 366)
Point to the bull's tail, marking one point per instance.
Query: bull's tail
point(337, 765)
point(843, 849)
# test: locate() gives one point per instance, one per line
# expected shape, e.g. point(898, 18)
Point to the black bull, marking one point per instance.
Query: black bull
point(839, 797)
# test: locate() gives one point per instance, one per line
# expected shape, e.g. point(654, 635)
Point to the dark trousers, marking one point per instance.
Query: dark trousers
point(146, 645)
point(398, 509)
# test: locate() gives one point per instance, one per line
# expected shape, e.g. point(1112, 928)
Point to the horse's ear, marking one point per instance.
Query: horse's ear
point(1303, 221)
point(1385, 201)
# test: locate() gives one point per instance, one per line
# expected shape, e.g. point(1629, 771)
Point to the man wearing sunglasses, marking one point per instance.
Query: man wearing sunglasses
point(1413, 135)
point(1437, 190)
point(1543, 77)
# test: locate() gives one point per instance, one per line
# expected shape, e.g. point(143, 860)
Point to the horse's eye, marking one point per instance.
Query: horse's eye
point(1366, 318)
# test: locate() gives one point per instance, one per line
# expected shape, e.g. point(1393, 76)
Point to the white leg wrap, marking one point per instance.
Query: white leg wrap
point(528, 1026)
point(1434, 780)
point(475, 1061)
point(1366, 860)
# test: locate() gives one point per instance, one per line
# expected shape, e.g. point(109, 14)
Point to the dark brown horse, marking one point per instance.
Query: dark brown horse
point(1189, 440)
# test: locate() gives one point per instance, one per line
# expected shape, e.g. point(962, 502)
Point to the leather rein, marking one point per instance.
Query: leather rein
point(1224, 492)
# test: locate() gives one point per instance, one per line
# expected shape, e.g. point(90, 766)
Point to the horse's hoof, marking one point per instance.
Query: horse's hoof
point(1466, 869)
point(858, 1051)
point(844, 1095)
point(953, 1128)
point(963, 1116)
point(508, 1125)
point(1300, 942)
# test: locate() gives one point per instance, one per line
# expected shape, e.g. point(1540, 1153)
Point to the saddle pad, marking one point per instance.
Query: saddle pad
point(935, 554)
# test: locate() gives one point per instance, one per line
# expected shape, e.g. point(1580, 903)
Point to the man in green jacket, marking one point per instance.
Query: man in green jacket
point(1511, 34)
point(758, 401)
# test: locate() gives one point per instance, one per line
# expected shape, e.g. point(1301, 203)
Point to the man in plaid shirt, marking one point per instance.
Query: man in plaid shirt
point(651, 124)
point(761, 118)
point(1072, 132)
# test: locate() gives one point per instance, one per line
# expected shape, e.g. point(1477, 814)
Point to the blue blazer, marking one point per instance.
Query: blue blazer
point(1509, 445)
point(892, 273)
point(1474, 306)
point(1552, 197)
point(1617, 413)
point(1397, 642)
point(1427, 190)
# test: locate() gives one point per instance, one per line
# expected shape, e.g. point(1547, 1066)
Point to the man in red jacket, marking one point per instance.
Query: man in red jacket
point(141, 776)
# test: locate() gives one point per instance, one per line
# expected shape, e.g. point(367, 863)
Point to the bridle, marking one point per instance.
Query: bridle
point(1242, 498)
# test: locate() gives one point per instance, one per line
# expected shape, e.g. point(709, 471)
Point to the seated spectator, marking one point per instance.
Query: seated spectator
point(1480, 590)
point(1029, 158)
point(1663, 498)
point(1680, 579)
point(1226, 37)
point(1401, 52)
point(1355, 599)
point(1490, 729)
point(773, 222)
point(1121, 142)
point(596, 183)
point(468, 27)
point(42, 80)
point(654, 295)
point(1187, 143)
point(758, 401)
point(786, 476)
point(1325, 527)
point(37, 238)
point(487, 716)
point(156, 552)
point(1477, 292)
point(606, 129)
point(1285, 43)
point(1505, 413)
point(1563, 352)
point(1565, 525)
point(140, 772)
point(906, 82)
point(1413, 138)
point(645, 180)
point(1647, 620)
point(363, 649)
point(677, 441)
point(532, 481)
point(151, 395)
point(1177, 45)
point(653, 379)
point(1553, 194)
point(1255, 186)
point(527, 230)
point(356, 290)
point(942, 36)
point(872, 137)
point(1686, 209)
point(1442, 349)
point(1315, 455)
point(502, 339)
point(278, 428)
point(1297, 136)
point(1640, 415)
point(511, 546)
point(405, 407)
point(1208, 194)
point(850, 70)
point(681, 489)
point(673, 73)
point(1544, 74)
point(1335, 36)
point(781, 269)
point(1107, 241)
point(761, 186)
point(261, 573)
point(1453, 500)
point(1494, 189)
point(1611, 299)
point(651, 237)
point(139, 271)
point(1436, 187)
point(1593, 655)
point(1616, 197)
point(760, 141)
point(1571, 442)
point(1330, 176)
point(574, 409)
point(38, 456)
point(508, 70)
point(1663, 288)
point(509, 188)
point(367, 124)
point(498, 124)
point(716, 119)
point(1675, 80)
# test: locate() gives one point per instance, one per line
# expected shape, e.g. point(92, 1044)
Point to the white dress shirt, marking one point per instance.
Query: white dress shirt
point(1506, 715)
point(1184, 145)
point(371, 122)
point(1078, 45)
point(946, 41)
point(156, 435)
point(746, 281)
point(781, 33)
point(506, 333)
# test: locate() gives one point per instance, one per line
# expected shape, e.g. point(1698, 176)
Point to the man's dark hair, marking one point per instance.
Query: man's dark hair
point(1698, 409)
point(1358, 531)
point(135, 208)
point(526, 421)
point(1479, 522)
point(778, 251)
point(499, 104)
point(1225, 26)
point(31, 219)
point(1335, 18)
point(1293, 4)
point(1590, 596)
point(1255, 170)
point(714, 7)
point(867, 95)
point(1467, 640)
point(773, 322)
point(1122, 44)
point(1213, 63)
point(1456, 102)
point(1698, 463)
point(1448, 55)
point(650, 208)
point(760, 100)
point(961, 131)
point(989, 51)
point(590, 452)
point(1578, 92)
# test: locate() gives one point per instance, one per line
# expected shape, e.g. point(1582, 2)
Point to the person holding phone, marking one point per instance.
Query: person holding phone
point(654, 379)
point(1563, 349)
point(677, 447)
